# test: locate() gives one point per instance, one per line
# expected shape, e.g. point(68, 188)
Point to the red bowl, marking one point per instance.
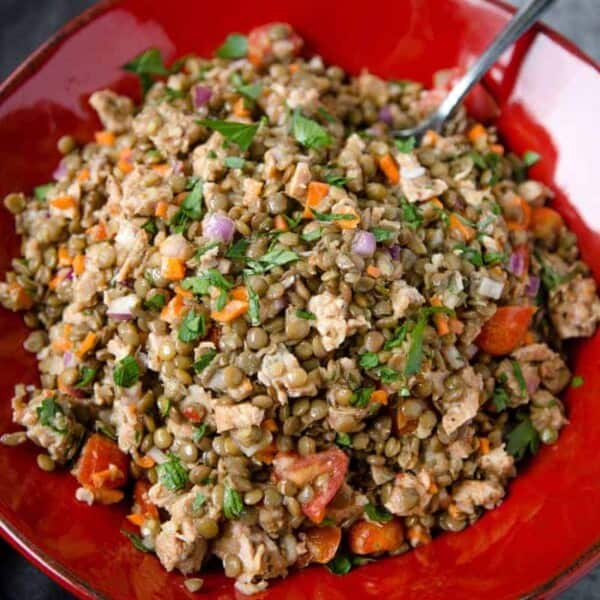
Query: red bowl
point(547, 532)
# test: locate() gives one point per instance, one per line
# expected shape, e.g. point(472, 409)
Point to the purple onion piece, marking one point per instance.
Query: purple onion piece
point(516, 263)
point(385, 115)
point(120, 316)
point(60, 172)
point(364, 243)
point(533, 286)
point(67, 358)
point(219, 228)
point(202, 94)
point(394, 252)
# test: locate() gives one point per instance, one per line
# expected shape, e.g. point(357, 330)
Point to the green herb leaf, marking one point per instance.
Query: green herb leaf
point(201, 284)
point(524, 437)
point(204, 360)
point(47, 412)
point(234, 162)
point(145, 65)
point(106, 429)
point(86, 377)
point(251, 91)
point(204, 249)
point(136, 541)
point(240, 134)
point(478, 159)
point(172, 94)
point(235, 46)
point(276, 257)
point(308, 132)
point(156, 302)
point(516, 368)
point(336, 180)
point(327, 218)
point(190, 209)
point(368, 360)
point(343, 439)
point(577, 381)
point(340, 565)
point(41, 191)
point(232, 504)
point(199, 432)
point(360, 397)
point(411, 215)
point(253, 304)
point(470, 254)
point(378, 513)
point(172, 474)
point(198, 502)
point(326, 114)
point(387, 374)
point(238, 250)
point(126, 372)
point(192, 327)
point(407, 145)
point(530, 158)
point(305, 314)
point(312, 235)
point(500, 398)
point(150, 227)
point(494, 258)
point(415, 352)
point(398, 337)
point(382, 235)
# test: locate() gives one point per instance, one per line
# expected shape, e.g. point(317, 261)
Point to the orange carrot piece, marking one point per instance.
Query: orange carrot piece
point(64, 258)
point(161, 209)
point(173, 269)
point(466, 232)
point(269, 425)
point(79, 264)
point(239, 108)
point(453, 511)
point(232, 310)
point(545, 222)
point(240, 293)
point(348, 223)
point(83, 175)
point(379, 396)
point(280, 223)
point(293, 68)
point(388, 165)
point(476, 132)
point(97, 232)
point(104, 496)
point(183, 293)
point(136, 519)
point(373, 271)
point(484, 445)
point(63, 202)
point(456, 325)
point(366, 537)
point(22, 300)
point(62, 344)
point(431, 138)
point(441, 321)
point(317, 190)
point(105, 138)
point(437, 202)
point(525, 217)
point(146, 462)
point(162, 168)
point(173, 310)
point(56, 281)
point(89, 341)
point(497, 148)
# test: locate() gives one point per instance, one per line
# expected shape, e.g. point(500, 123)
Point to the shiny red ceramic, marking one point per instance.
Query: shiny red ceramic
point(547, 532)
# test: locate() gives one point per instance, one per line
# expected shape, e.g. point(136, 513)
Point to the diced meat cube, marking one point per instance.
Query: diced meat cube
point(114, 111)
point(575, 308)
point(237, 415)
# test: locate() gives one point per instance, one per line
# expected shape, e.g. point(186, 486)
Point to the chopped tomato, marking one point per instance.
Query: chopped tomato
point(306, 469)
point(322, 543)
point(101, 464)
point(191, 413)
point(261, 40)
point(505, 330)
point(142, 504)
point(367, 537)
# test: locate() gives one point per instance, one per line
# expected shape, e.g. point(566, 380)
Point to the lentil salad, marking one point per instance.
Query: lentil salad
point(296, 338)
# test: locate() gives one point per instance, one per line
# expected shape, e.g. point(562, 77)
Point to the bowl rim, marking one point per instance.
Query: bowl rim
point(63, 575)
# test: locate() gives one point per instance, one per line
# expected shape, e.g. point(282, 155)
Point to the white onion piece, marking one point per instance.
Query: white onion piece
point(121, 309)
point(412, 172)
point(490, 288)
point(157, 455)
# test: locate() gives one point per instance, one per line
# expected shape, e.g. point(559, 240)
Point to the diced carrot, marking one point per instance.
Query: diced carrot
point(79, 264)
point(64, 258)
point(431, 138)
point(373, 271)
point(442, 322)
point(317, 190)
point(379, 396)
point(269, 425)
point(146, 462)
point(505, 329)
point(293, 68)
point(267, 454)
point(347, 223)
point(105, 138)
point(162, 168)
point(63, 202)
point(239, 108)
point(97, 456)
point(173, 310)
point(105, 496)
point(323, 543)
point(418, 536)
point(136, 519)
point(161, 209)
point(545, 222)
point(62, 344)
point(436, 202)
point(56, 280)
point(464, 231)
point(180, 198)
point(124, 166)
point(525, 212)
point(484, 445)
point(497, 148)
point(280, 223)
point(367, 537)
point(433, 488)
point(240, 293)
point(89, 341)
point(142, 504)
point(83, 175)
point(232, 310)
point(19, 296)
point(183, 293)
point(97, 232)
point(456, 325)
point(453, 511)
point(477, 131)
point(172, 269)
point(388, 165)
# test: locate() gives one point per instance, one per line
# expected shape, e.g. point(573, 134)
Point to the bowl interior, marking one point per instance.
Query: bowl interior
point(548, 529)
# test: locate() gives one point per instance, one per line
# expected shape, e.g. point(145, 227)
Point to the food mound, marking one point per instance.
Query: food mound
point(281, 333)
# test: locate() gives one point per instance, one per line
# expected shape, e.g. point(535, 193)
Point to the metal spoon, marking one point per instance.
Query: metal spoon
point(523, 19)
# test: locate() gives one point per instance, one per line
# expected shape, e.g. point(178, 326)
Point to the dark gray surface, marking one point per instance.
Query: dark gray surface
point(24, 24)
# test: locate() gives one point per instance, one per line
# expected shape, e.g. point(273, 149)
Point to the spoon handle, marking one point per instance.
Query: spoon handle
point(522, 20)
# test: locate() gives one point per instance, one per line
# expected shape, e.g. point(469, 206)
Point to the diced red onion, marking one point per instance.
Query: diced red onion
point(157, 455)
point(516, 263)
point(219, 228)
point(532, 381)
point(67, 358)
point(395, 251)
point(385, 115)
point(364, 243)
point(176, 167)
point(202, 94)
point(533, 286)
point(121, 309)
point(60, 172)
point(70, 275)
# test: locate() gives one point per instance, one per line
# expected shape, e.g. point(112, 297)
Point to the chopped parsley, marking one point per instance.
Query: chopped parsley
point(276, 257)
point(336, 180)
point(577, 381)
point(155, 302)
point(47, 413)
point(470, 254)
point(522, 438)
point(253, 304)
point(500, 398)
point(201, 284)
point(86, 377)
point(106, 429)
point(232, 503)
point(199, 432)
point(198, 502)
point(126, 372)
point(308, 132)
point(494, 258)
point(387, 374)
point(411, 215)
point(172, 474)
point(368, 360)
point(382, 235)
point(240, 134)
point(238, 250)
point(398, 338)
point(150, 227)
point(204, 360)
point(192, 327)
point(234, 162)
point(326, 114)
point(136, 541)
point(312, 235)
point(40, 192)
point(305, 314)
point(204, 249)
point(235, 46)
point(190, 209)
point(360, 397)
point(343, 439)
point(530, 158)
point(326, 218)
point(407, 145)
point(516, 368)
point(146, 65)
point(378, 513)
